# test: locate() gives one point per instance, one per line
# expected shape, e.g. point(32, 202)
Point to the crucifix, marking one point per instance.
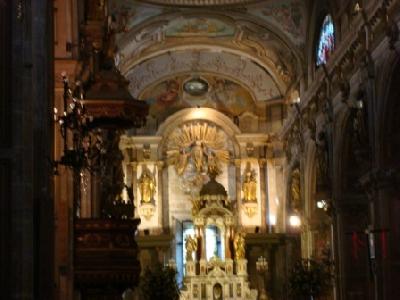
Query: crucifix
point(369, 241)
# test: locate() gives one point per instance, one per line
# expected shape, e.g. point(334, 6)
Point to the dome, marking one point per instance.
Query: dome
point(213, 190)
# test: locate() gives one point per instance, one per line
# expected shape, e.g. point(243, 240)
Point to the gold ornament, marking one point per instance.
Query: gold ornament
point(249, 186)
point(191, 246)
point(198, 143)
point(239, 245)
point(147, 185)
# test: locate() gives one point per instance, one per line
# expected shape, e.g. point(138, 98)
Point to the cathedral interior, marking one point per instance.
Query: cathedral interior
point(247, 145)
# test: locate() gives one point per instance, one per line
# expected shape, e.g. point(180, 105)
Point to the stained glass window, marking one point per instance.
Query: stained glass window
point(326, 41)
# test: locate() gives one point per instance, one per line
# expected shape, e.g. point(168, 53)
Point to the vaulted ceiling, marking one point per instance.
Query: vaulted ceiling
point(257, 44)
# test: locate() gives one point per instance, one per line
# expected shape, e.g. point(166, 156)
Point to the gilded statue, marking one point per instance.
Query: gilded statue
point(295, 194)
point(239, 245)
point(191, 246)
point(196, 206)
point(198, 144)
point(198, 153)
point(249, 186)
point(147, 185)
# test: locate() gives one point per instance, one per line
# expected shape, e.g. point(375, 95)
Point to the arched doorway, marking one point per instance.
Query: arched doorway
point(388, 204)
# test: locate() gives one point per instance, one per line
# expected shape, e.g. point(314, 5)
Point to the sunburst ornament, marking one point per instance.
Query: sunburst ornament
point(198, 144)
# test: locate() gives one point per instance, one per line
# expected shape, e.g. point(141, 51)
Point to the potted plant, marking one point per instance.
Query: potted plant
point(310, 278)
point(159, 282)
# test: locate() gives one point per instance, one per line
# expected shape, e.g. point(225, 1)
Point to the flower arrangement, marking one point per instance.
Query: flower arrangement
point(310, 278)
point(159, 283)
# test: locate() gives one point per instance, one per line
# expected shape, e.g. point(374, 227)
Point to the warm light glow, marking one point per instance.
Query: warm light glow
point(198, 113)
point(294, 221)
point(321, 203)
point(272, 220)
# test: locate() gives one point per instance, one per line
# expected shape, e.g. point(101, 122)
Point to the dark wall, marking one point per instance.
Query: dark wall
point(5, 153)
point(26, 206)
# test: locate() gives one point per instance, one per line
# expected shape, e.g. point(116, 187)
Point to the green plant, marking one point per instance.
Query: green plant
point(159, 283)
point(310, 278)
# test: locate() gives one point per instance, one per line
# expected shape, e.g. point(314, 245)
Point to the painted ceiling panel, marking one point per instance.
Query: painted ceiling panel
point(169, 96)
point(248, 73)
point(195, 27)
point(287, 15)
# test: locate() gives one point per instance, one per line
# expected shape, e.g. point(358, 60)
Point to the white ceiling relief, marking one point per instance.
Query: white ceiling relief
point(243, 70)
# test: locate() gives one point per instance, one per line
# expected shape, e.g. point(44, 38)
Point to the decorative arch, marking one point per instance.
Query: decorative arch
point(249, 71)
point(148, 40)
point(351, 207)
point(388, 161)
point(204, 114)
point(386, 81)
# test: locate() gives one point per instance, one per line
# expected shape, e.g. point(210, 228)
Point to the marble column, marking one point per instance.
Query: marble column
point(227, 237)
point(165, 200)
point(136, 202)
point(203, 242)
point(238, 176)
point(263, 194)
point(160, 184)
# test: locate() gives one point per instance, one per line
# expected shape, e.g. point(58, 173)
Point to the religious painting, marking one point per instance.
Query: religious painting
point(128, 14)
point(326, 41)
point(194, 27)
point(251, 76)
point(164, 99)
point(222, 94)
point(287, 15)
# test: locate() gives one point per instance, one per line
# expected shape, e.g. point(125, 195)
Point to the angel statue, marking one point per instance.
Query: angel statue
point(239, 245)
point(191, 246)
point(197, 145)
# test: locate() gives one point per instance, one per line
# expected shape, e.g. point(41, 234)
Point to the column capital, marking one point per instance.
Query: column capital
point(237, 162)
point(160, 164)
point(262, 162)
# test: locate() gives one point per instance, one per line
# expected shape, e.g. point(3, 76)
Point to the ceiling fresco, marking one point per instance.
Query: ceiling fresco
point(128, 14)
point(287, 15)
point(257, 44)
point(249, 74)
point(194, 27)
point(169, 96)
